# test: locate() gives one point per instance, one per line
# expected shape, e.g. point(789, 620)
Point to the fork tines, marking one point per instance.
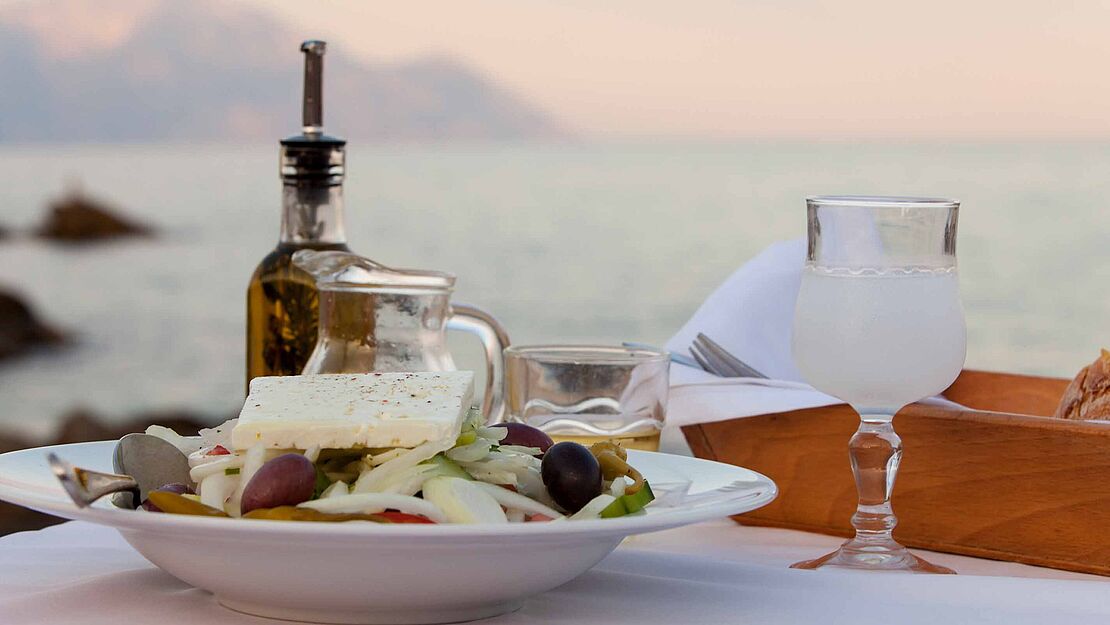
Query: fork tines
point(715, 359)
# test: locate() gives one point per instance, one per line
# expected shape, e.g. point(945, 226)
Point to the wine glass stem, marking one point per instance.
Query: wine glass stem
point(875, 450)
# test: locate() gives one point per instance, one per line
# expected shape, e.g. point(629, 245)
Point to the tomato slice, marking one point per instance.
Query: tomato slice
point(218, 450)
point(403, 517)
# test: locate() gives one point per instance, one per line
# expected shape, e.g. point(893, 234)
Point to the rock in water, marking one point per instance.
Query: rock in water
point(78, 219)
point(20, 330)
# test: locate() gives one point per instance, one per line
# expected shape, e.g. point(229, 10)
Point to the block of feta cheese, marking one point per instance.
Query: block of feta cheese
point(341, 411)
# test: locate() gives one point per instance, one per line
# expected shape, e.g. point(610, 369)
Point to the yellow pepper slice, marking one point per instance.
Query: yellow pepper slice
point(177, 504)
point(293, 513)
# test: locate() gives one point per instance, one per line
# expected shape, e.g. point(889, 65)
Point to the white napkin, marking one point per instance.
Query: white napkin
point(750, 315)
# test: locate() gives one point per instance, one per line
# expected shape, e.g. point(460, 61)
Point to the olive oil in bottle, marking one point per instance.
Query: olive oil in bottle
point(282, 303)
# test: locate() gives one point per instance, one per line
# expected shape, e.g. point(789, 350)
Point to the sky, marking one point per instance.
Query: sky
point(781, 68)
point(733, 69)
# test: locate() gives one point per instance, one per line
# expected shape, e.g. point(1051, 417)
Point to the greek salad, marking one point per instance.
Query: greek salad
point(505, 473)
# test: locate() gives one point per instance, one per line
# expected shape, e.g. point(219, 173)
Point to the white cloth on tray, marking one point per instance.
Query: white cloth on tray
point(750, 315)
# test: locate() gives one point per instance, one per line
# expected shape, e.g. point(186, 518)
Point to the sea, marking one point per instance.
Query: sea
point(573, 242)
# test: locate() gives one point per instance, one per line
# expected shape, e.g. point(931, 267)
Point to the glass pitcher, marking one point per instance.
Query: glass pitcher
point(375, 318)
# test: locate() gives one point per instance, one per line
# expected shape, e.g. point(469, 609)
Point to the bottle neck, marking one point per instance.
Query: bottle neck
point(312, 214)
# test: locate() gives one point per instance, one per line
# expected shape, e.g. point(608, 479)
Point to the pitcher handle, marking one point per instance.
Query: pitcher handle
point(494, 339)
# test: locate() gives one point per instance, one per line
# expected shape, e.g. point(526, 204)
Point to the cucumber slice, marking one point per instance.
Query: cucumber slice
point(448, 467)
point(629, 504)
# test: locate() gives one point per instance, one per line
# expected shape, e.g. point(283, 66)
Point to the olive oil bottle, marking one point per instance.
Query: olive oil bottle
point(282, 303)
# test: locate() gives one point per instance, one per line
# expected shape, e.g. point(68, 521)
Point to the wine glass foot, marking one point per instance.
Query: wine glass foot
point(886, 556)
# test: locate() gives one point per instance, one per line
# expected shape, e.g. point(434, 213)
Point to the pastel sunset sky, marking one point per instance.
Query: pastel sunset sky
point(793, 68)
point(824, 69)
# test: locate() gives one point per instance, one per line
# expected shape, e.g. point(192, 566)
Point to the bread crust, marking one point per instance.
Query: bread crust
point(1088, 395)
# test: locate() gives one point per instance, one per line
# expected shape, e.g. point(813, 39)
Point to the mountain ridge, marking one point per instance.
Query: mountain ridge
point(203, 71)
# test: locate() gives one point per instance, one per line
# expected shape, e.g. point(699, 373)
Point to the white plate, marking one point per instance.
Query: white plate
point(374, 573)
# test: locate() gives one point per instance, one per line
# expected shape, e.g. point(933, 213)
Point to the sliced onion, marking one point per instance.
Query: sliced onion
point(386, 456)
point(492, 476)
point(337, 489)
point(376, 502)
point(463, 501)
point(201, 456)
point(516, 501)
point(369, 480)
point(312, 453)
point(185, 444)
point(618, 487)
point(493, 433)
point(409, 481)
point(520, 449)
point(502, 462)
point(199, 472)
point(530, 484)
point(252, 462)
point(470, 453)
point(219, 435)
point(593, 509)
point(216, 488)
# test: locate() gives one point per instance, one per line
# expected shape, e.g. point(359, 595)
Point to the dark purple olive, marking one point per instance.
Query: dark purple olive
point(526, 436)
point(284, 481)
point(571, 474)
point(176, 487)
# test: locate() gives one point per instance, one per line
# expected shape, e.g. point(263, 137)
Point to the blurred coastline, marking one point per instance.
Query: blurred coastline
point(598, 242)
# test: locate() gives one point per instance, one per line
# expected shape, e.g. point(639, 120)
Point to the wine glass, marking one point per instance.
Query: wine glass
point(879, 324)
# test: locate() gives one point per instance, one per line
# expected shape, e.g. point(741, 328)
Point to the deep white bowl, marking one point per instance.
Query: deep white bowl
point(374, 573)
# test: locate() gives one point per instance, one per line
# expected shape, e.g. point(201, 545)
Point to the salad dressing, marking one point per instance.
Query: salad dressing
point(282, 301)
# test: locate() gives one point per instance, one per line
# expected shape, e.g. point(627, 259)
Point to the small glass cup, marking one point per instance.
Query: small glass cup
point(589, 393)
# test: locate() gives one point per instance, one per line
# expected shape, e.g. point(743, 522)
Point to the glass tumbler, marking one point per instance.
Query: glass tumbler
point(589, 393)
point(878, 324)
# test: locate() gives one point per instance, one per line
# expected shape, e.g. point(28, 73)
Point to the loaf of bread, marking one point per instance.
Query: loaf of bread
point(1088, 395)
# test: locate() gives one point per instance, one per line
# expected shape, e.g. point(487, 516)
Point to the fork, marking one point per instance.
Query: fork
point(85, 486)
point(716, 360)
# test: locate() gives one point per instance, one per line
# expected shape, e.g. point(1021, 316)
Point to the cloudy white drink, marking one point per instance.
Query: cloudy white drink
point(879, 339)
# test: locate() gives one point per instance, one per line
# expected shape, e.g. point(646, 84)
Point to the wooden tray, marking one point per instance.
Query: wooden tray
point(993, 482)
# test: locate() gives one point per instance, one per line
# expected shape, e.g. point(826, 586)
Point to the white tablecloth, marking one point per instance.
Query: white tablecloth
point(715, 572)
